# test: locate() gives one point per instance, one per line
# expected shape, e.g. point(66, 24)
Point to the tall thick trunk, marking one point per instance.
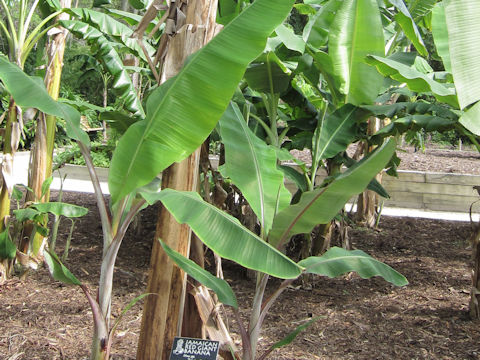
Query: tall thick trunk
point(367, 201)
point(322, 238)
point(42, 152)
point(162, 314)
point(10, 145)
point(41, 157)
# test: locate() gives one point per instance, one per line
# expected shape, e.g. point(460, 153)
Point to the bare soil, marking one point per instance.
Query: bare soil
point(433, 159)
point(358, 319)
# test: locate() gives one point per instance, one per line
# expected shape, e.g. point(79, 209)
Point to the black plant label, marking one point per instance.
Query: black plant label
point(194, 349)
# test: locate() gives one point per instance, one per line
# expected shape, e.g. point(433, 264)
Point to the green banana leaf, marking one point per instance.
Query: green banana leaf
point(415, 80)
point(420, 8)
point(375, 186)
point(228, 10)
point(471, 119)
point(290, 39)
point(304, 9)
point(130, 18)
point(29, 213)
point(336, 132)
point(414, 122)
point(8, 250)
point(112, 28)
point(321, 205)
point(407, 23)
point(138, 4)
point(315, 32)
point(463, 34)
point(81, 105)
point(337, 261)
point(252, 166)
point(58, 271)
point(184, 110)
point(440, 35)
point(415, 116)
point(291, 336)
point(219, 286)
point(401, 109)
point(268, 74)
point(295, 176)
point(28, 91)
point(117, 120)
point(46, 186)
point(355, 33)
point(324, 63)
point(61, 209)
point(107, 53)
point(100, 3)
point(225, 235)
point(301, 140)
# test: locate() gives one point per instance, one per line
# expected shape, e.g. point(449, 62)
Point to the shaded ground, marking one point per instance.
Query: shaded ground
point(359, 319)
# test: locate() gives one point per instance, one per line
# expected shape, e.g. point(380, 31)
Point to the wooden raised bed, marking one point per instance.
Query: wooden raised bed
point(411, 190)
point(432, 191)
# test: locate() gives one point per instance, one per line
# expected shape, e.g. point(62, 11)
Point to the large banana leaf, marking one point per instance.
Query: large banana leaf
point(414, 122)
point(82, 106)
point(29, 91)
point(401, 109)
point(122, 83)
point(440, 35)
point(406, 21)
point(315, 33)
point(219, 286)
point(355, 33)
point(290, 39)
point(252, 166)
point(463, 34)
point(131, 18)
point(228, 10)
point(111, 27)
point(61, 209)
point(415, 80)
point(268, 74)
point(336, 132)
point(183, 111)
point(117, 120)
point(226, 236)
point(324, 63)
point(337, 261)
point(420, 8)
point(471, 119)
point(321, 205)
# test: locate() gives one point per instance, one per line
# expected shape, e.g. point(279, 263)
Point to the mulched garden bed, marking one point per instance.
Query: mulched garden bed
point(358, 319)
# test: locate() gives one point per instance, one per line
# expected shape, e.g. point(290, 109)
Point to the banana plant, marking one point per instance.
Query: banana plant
point(251, 165)
point(322, 79)
point(404, 23)
point(33, 216)
point(16, 28)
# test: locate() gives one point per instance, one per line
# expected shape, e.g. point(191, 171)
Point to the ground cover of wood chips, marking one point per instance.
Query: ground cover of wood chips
point(358, 319)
